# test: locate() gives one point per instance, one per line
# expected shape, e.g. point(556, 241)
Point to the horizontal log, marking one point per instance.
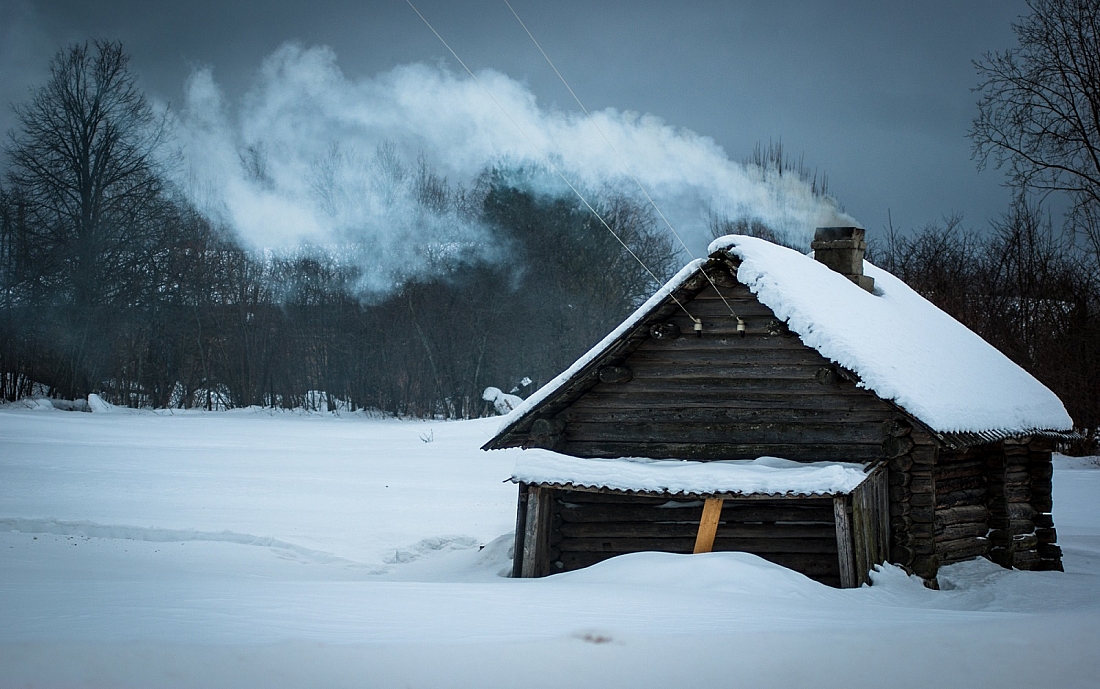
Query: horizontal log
point(922, 499)
point(901, 464)
point(720, 414)
point(921, 484)
point(730, 513)
point(690, 373)
point(1025, 559)
point(726, 431)
point(686, 545)
point(961, 549)
point(959, 469)
point(1019, 511)
point(950, 485)
point(1043, 520)
point(893, 446)
point(1025, 541)
point(962, 514)
point(727, 341)
point(900, 478)
point(689, 530)
point(961, 497)
point(1041, 470)
point(919, 530)
point(1049, 551)
point(1021, 527)
point(729, 292)
point(661, 450)
point(922, 513)
point(962, 530)
point(923, 452)
point(799, 385)
point(718, 311)
point(1046, 535)
point(820, 398)
point(900, 493)
point(666, 354)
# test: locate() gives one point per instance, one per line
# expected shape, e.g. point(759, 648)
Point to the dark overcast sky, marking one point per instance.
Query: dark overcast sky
point(876, 94)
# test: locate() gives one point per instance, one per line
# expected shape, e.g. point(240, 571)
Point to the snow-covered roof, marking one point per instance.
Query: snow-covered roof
point(902, 347)
point(762, 476)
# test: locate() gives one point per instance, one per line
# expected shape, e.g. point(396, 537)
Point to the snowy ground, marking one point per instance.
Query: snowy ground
point(255, 549)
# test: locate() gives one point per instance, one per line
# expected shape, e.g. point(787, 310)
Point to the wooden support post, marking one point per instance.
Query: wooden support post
point(521, 526)
point(708, 525)
point(536, 536)
point(848, 577)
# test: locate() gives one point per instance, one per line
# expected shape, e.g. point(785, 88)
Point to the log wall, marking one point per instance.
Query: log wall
point(912, 455)
point(1022, 531)
point(962, 503)
point(724, 396)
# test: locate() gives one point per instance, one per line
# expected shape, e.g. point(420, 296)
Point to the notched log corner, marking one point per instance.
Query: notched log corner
point(896, 428)
point(546, 434)
point(896, 446)
point(827, 375)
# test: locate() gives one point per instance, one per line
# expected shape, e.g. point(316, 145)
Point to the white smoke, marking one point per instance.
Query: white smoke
point(312, 157)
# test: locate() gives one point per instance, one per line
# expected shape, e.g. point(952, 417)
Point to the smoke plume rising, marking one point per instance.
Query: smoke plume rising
point(312, 157)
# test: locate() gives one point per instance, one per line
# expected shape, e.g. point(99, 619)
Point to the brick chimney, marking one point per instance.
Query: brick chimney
point(842, 249)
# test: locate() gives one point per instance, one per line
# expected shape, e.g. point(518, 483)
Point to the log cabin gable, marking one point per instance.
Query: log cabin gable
point(661, 390)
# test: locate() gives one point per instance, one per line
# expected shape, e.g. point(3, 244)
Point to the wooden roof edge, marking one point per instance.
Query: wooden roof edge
point(959, 440)
point(724, 495)
point(586, 376)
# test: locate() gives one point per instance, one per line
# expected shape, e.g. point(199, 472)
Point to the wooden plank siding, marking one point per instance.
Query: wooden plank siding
point(871, 523)
point(723, 396)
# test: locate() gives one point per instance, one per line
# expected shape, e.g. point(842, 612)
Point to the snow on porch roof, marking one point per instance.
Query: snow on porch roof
point(762, 476)
point(902, 347)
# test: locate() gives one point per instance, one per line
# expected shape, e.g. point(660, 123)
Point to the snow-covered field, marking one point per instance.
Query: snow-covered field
point(260, 549)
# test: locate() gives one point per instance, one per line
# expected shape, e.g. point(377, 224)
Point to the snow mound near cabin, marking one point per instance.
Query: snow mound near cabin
point(725, 572)
point(902, 347)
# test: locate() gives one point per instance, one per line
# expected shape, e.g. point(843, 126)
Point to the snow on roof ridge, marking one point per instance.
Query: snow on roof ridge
point(903, 347)
point(908, 366)
point(761, 476)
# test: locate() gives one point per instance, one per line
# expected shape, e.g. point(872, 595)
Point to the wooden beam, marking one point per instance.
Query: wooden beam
point(708, 525)
point(536, 536)
point(521, 526)
point(845, 556)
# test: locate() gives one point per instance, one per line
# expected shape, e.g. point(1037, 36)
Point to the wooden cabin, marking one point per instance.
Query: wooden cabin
point(761, 351)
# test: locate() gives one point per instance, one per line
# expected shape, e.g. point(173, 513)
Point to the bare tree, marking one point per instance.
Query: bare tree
point(83, 162)
point(1039, 111)
point(91, 204)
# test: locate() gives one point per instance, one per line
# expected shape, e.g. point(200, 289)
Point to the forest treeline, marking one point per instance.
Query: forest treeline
point(112, 282)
